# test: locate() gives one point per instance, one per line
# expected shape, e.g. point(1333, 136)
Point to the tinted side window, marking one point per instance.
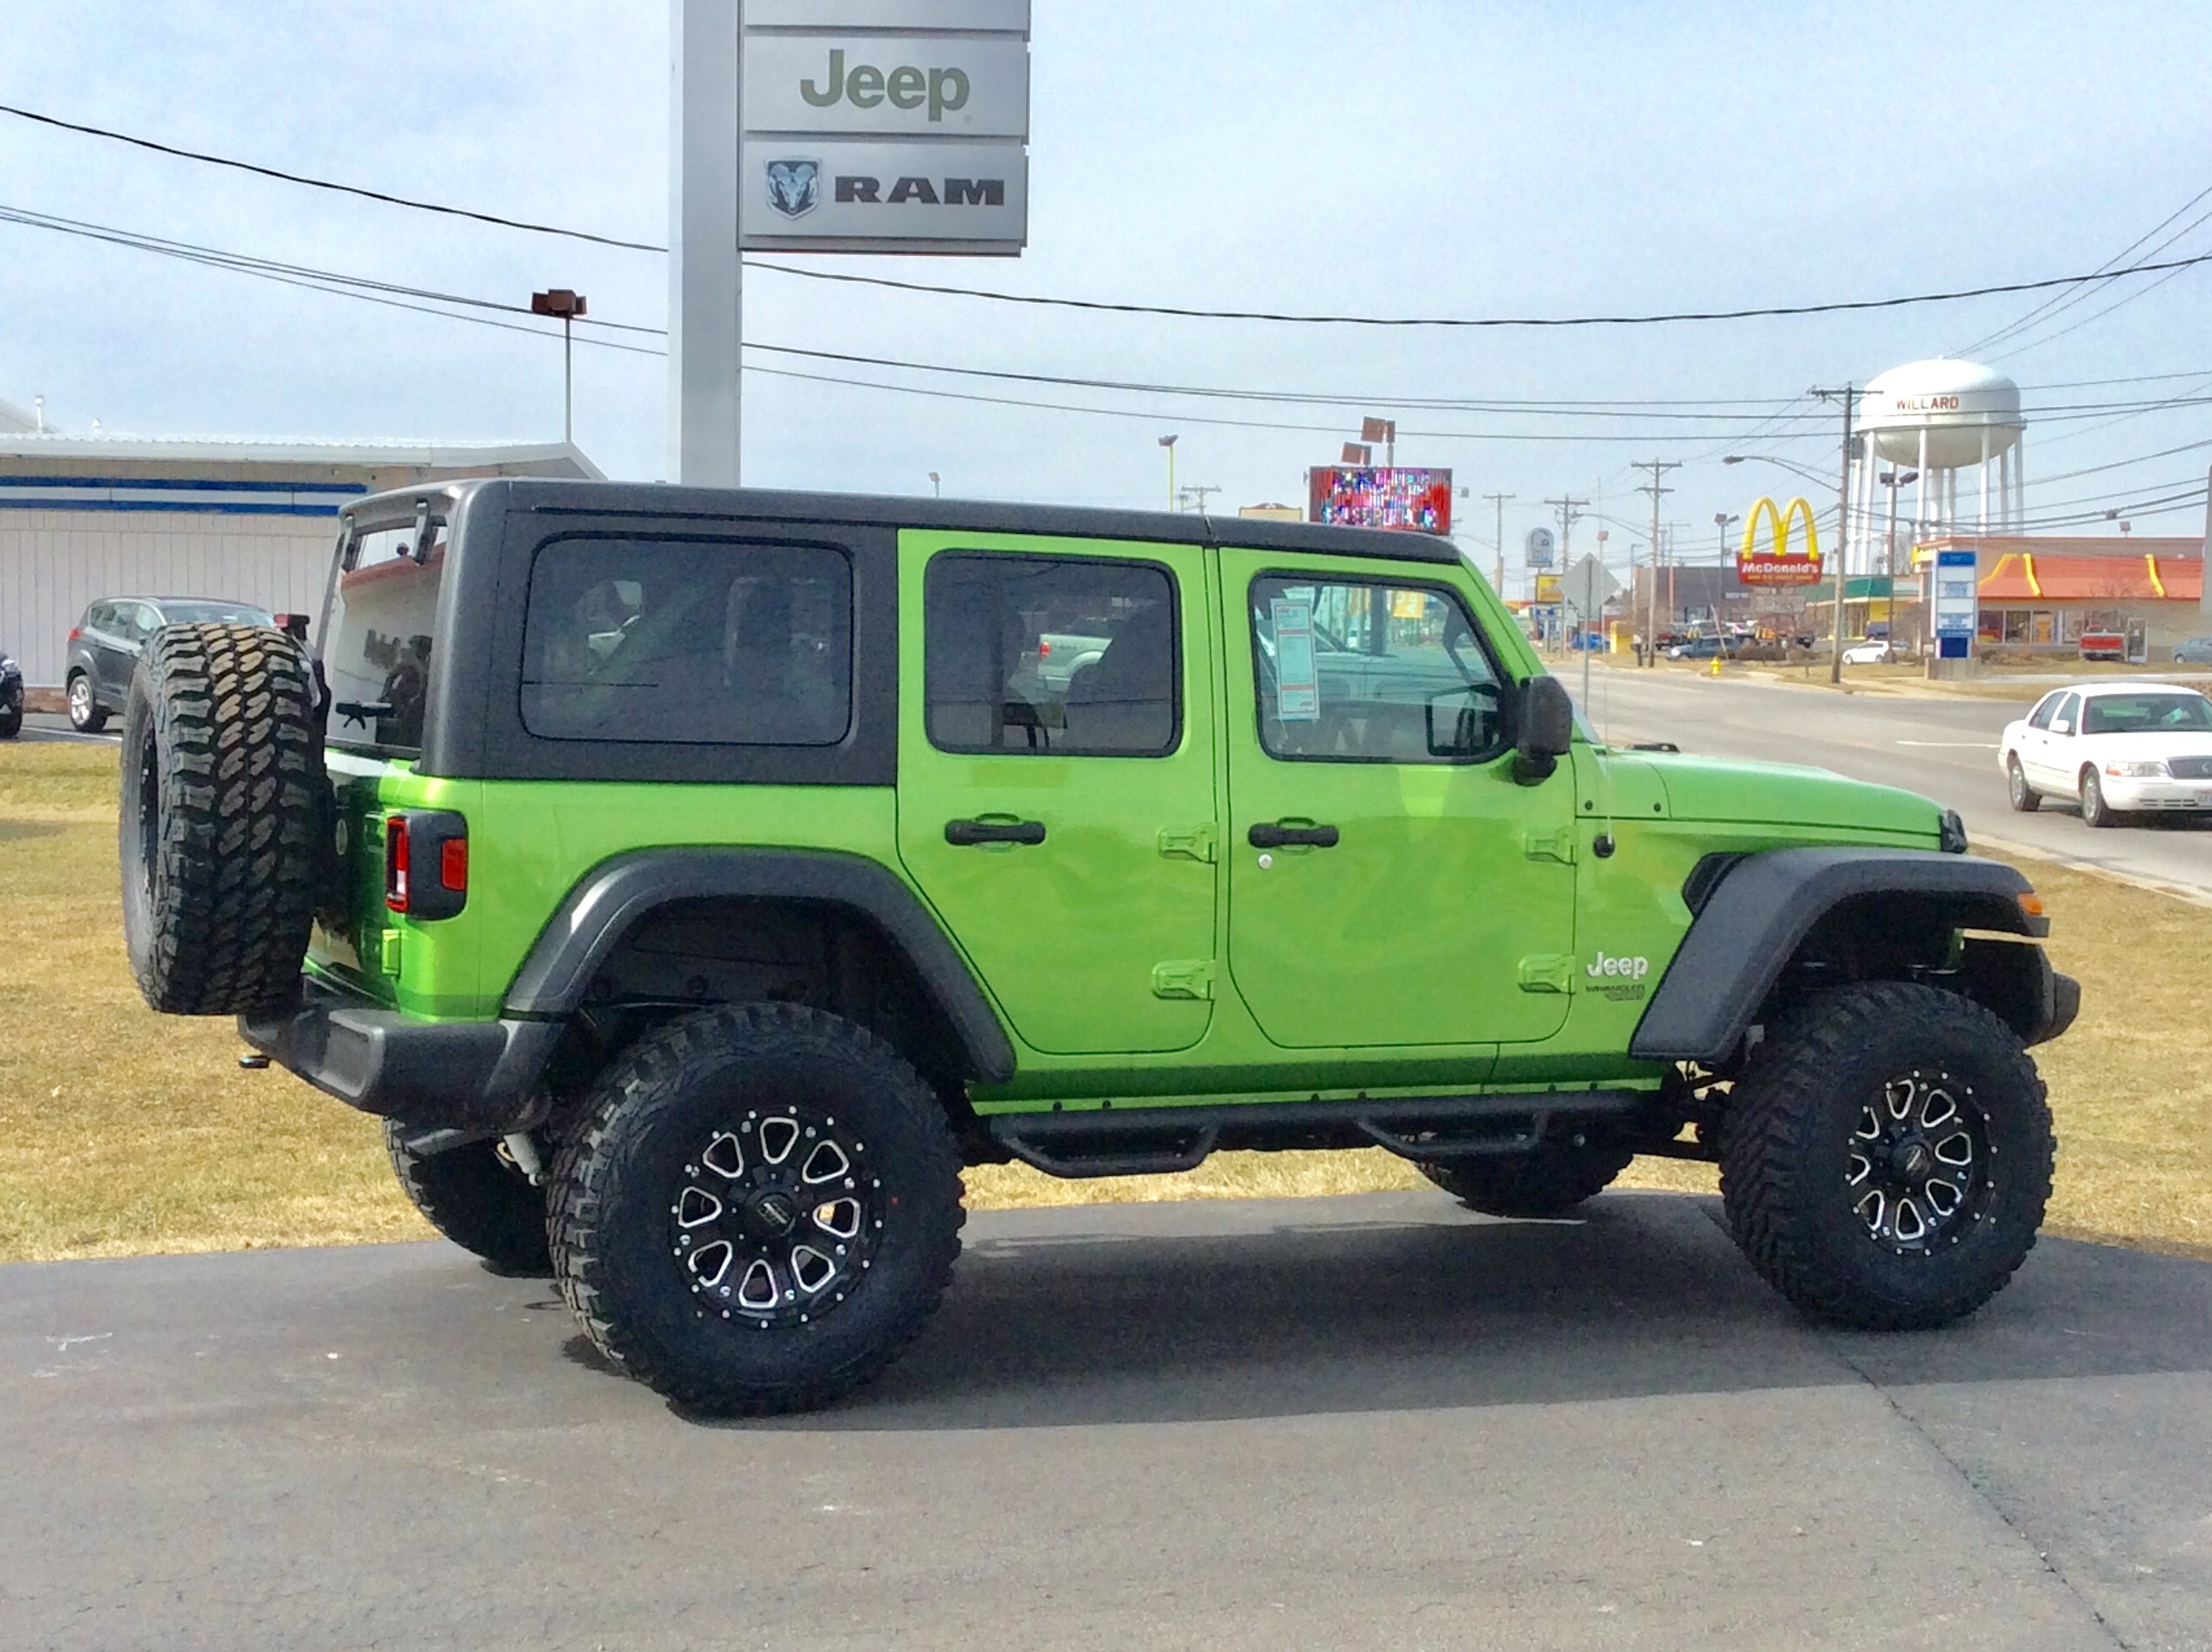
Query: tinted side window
point(715, 643)
point(2066, 713)
point(1360, 671)
point(2041, 716)
point(1058, 656)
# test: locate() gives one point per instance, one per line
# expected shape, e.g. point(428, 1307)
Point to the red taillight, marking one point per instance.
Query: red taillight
point(395, 862)
point(75, 631)
point(453, 865)
point(1044, 649)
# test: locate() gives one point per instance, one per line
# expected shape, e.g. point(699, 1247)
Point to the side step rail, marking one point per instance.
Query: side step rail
point(1153, 1140)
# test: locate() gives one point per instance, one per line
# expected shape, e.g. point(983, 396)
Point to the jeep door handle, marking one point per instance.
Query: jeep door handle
point(965, 833)
point(1267, 836)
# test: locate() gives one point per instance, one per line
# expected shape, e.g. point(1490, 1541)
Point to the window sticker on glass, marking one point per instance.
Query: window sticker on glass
point(1297, 685)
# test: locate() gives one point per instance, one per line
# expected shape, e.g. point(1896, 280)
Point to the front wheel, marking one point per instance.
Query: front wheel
point(11, 717)
point(86, 715)
point(1886, 1155)
point(1546, 1180)
point(761, 1211)
point(2095, 810)
point(2025, 797)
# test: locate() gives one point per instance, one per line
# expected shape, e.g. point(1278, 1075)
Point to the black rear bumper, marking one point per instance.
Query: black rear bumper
point(459, 1075)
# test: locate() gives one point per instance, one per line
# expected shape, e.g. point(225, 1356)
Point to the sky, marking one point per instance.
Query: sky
point(1395, 159)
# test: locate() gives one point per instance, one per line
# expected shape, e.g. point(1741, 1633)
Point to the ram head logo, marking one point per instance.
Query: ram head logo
point(794, 187)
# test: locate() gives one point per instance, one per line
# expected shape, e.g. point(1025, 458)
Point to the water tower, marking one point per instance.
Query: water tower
point(1938, 418)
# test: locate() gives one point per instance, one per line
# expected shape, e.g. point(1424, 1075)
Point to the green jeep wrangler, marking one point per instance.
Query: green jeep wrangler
point(695, 881)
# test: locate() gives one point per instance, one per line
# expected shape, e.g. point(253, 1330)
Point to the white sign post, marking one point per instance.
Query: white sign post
point(828, 126)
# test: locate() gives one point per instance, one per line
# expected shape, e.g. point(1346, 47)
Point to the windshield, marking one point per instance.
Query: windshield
point(378, 635)
point(2147, 713)
point(215, 613)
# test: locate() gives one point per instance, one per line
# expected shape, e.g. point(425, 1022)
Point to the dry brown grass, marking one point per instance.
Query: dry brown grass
point(122, 1132)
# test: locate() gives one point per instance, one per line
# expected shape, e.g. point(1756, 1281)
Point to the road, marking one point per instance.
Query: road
point(1368, 1422)
point(47, 725)
point(1944, 747)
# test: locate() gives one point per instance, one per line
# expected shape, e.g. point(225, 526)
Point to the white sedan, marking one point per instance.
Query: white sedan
point(2117, 748)
point(1873, 653)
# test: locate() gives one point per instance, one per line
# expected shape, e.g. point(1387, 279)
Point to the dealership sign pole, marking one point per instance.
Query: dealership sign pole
point(827, 126)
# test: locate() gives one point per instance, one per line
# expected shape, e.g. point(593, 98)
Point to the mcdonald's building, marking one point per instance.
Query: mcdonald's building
point(2042, 594)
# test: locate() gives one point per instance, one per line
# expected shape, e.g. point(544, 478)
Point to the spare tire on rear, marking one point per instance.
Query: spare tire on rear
point(223, 813)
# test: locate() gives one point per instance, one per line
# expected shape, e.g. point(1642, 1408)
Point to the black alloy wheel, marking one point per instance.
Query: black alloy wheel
point(775, 1219)
point(1919, 1171)
point(2025, 799)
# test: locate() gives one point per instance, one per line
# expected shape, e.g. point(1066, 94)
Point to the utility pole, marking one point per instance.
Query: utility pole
point(1658, 467)
point(1570, 510)
point(1499, 500)
point(1197, 496)
point(1850, 393)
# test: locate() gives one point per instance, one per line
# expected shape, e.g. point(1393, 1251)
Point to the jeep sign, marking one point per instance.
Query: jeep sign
point(807, 195)
point(888, 86)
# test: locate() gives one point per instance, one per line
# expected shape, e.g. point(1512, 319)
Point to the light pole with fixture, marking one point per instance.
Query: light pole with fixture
point(568, 305)
point(936, 488)
point(1168, 442)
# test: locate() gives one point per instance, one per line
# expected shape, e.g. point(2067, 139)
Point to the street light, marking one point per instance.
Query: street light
point(1768, 458)
point(568, 305)
point(1169, 443)
point(936, 488)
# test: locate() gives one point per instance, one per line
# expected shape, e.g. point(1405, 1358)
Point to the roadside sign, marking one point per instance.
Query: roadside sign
point(1587, 586)
point(1540, 549)
point(1955, 602)
point(1779, 566)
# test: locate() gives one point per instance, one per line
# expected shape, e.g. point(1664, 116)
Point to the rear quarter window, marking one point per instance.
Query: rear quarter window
point(689, 642)
point(380, 634)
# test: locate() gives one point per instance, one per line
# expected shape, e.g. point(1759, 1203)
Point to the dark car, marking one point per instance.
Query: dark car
point(1702, 648)
point(2197, 650)
point(11, 697)
point(103, 647)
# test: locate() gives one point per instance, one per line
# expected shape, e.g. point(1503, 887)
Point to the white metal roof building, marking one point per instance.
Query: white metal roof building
point(83, 518)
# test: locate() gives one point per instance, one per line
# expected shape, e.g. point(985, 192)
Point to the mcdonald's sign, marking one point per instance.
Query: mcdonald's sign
point(1779, 565)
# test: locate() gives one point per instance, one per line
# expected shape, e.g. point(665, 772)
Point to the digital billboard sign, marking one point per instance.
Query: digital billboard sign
point(1372, 496)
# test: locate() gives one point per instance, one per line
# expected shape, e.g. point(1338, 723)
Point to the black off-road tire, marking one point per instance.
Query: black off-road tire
point(479, 1201)
point(1792, 1139)
point(86, 715)
point(11, 717)
point(2023, 796)
point(1549, 1181)
point(224, 808)
point(682, 1121)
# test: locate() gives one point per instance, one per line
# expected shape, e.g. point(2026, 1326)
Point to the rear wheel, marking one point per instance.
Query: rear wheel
point(2095, 811)
point(1886, 1156)
point(86, 714)
point(2025, 797)
point(1547, 1181)
point(761, 1211)
point(11, 716)
point(478, 1198)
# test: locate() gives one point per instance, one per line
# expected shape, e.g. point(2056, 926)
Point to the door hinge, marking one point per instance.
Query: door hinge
point(1558, 846)
point(1183, 978)
point(1194, 844)
point(1547, 973)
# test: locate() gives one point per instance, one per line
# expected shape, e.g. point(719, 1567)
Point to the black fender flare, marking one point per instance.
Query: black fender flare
point(1750, 922)
point(611, 898)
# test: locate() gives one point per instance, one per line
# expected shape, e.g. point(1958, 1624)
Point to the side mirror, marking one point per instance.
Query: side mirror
point(1548, 730)
point(2062, 726)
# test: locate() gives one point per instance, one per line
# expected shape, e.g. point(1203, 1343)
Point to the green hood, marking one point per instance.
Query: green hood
point(1787, 794)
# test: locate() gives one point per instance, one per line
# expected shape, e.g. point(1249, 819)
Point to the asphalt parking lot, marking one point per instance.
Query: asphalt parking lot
point(1362, 1421)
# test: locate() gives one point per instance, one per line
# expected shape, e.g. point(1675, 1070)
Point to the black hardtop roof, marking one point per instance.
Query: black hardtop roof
point(555, 496)
point(159, 601)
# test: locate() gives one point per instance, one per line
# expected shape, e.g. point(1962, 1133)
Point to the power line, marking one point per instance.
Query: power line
point(2052, 306)
point(326, 184)
point(1657, 319)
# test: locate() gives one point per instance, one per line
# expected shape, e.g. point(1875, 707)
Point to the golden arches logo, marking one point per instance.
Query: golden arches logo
point(1779, 565)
